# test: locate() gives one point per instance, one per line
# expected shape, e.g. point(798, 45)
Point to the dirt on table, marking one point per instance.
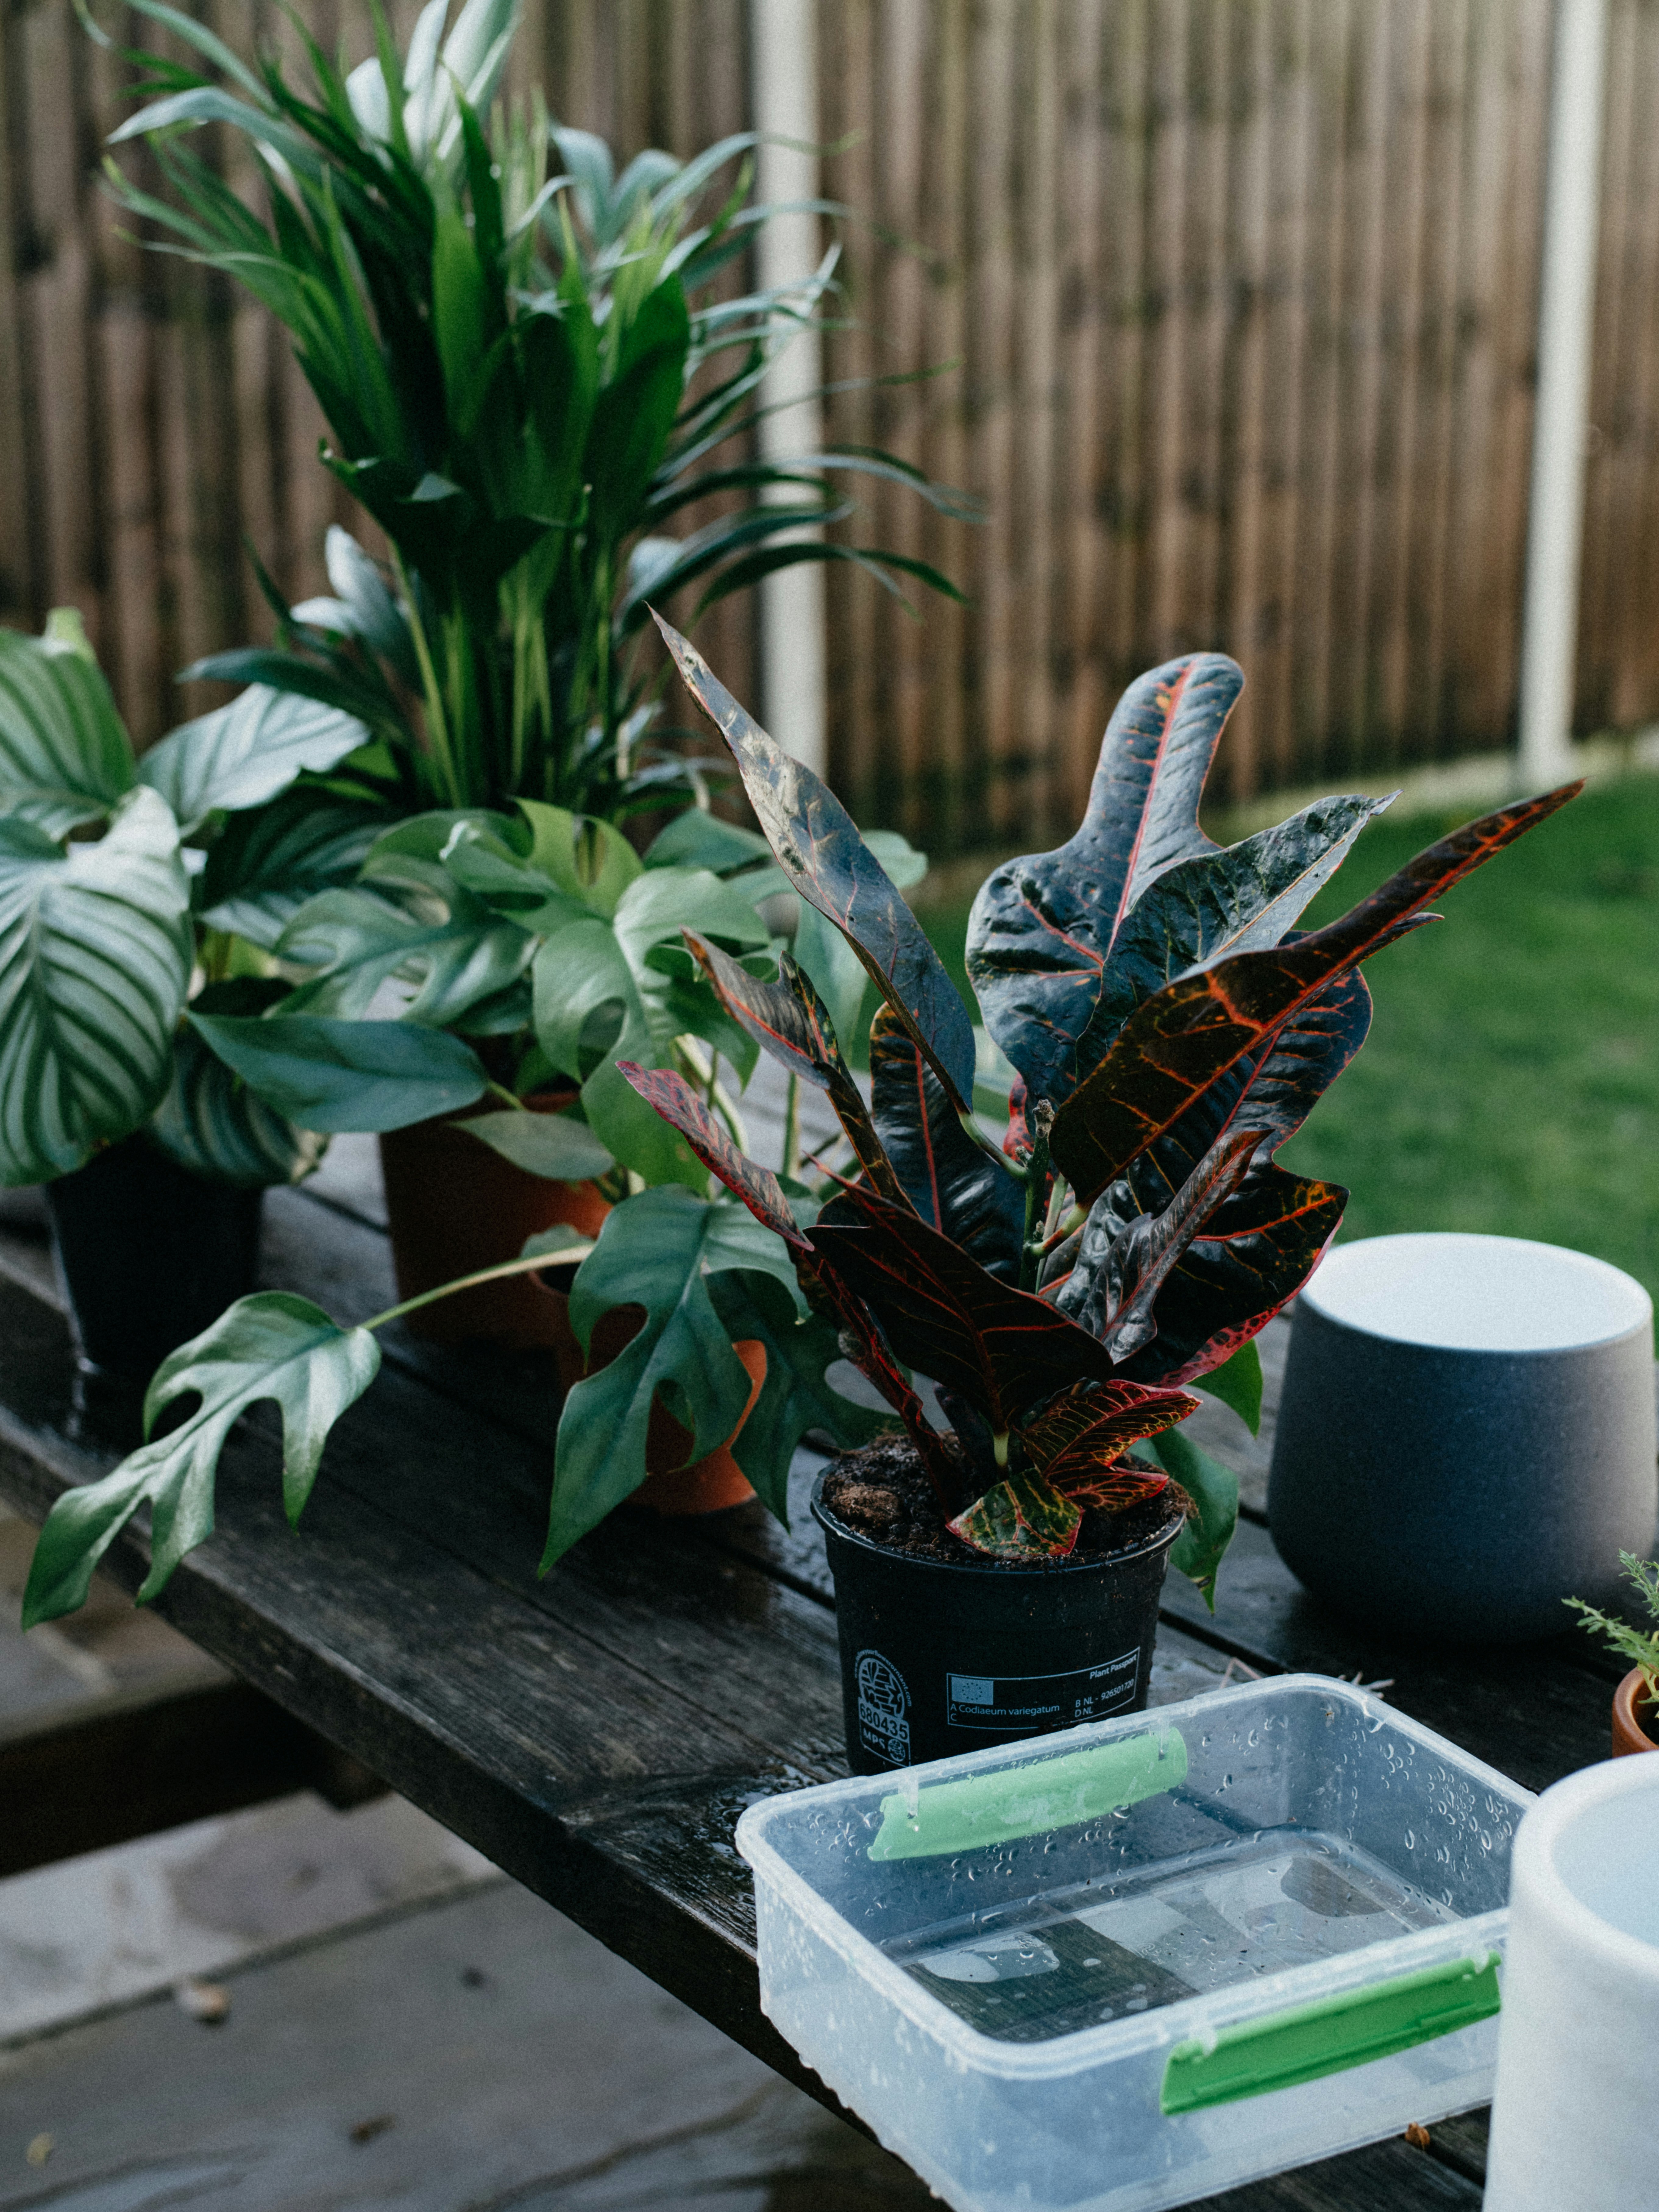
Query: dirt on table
point(883, 1493)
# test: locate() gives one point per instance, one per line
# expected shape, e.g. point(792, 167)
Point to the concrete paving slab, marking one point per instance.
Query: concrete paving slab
point(478, 2055)
point(111, 1926)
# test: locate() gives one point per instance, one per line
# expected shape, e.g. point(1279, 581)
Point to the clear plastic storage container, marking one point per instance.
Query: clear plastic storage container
point(1136, 1962)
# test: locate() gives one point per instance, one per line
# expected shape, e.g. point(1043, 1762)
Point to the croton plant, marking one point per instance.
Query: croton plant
point(1129, 1234)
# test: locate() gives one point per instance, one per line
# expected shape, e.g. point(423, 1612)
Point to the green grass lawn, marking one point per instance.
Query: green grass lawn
point(1511, 1082)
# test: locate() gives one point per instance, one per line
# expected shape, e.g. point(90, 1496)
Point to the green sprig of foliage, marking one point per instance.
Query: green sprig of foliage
point(1639, 1646)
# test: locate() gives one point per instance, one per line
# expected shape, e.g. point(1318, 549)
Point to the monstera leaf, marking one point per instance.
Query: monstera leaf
point(1184, 1037)
point(818, 846)
point(658, 1252)
point(64, 754)
point(241, 755)
point(94, 962)
point(599, 1000)
point(270, 1346)
point(800, 1347)
point(1042, 926)
point(956, 1186)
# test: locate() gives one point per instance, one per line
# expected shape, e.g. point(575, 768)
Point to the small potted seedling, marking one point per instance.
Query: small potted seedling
point(997, 1565)
point(1636, 1701)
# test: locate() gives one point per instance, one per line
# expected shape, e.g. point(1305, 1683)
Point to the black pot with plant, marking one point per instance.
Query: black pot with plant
point(154, 1155)
point(999, 1574)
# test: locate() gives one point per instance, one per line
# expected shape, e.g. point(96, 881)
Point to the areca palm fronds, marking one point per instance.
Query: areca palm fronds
point(527, 381)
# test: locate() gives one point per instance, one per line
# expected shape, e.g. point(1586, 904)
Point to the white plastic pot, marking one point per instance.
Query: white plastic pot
point(1575, 2123)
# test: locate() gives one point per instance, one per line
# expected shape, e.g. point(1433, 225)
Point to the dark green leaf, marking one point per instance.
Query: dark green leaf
point(453, 957)
point(1199, 911)
point(210, 1122)
point(819, 845)
point(790, 1021)
point(1237, 1382)
point(272, 1345)
point(269, 862)
point(634, 412)
point(670, 1096)
point(1213, 1489)
point(332, 1075)
point(551, 1145)
point(1003, 1350)
point(795, 1396)
point(1121, 1266)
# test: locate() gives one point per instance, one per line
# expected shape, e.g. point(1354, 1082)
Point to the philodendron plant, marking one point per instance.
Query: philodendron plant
point(124, 880)
point(1131, 1233)
point(493, 956)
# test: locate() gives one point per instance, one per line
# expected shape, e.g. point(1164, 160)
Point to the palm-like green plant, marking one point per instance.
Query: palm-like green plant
point(528, 381)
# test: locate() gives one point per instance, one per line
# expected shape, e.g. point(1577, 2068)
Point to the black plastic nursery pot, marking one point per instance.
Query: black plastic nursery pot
point(940, 1656)
point(147, 1254)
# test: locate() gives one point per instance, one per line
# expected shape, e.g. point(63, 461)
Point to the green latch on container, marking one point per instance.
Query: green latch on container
point(1029, 1800)
point(1327, 2037)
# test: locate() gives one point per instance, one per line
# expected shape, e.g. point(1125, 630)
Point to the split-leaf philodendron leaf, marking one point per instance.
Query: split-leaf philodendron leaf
point(270, 1346)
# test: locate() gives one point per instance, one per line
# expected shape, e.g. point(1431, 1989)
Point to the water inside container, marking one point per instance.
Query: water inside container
point(1108, 1949)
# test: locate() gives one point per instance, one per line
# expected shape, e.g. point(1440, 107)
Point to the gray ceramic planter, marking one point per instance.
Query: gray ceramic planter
point(1467, 1434)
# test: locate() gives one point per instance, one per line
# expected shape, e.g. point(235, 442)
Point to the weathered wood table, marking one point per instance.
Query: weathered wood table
point(597, 1733)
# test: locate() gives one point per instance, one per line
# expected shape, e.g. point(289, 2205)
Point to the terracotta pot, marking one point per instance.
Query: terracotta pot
point(1635, 1716)
point(454, 1205)
point(709, 1485)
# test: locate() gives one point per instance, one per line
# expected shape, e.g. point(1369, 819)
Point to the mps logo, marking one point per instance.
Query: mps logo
point(883, 1702)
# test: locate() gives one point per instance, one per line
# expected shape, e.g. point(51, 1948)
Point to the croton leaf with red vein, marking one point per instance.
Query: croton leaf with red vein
point(817, 845)
point(762, 1193)
point(1081, 1433)
point(758, 1187)
point(789, 1020)
point(1184, 1037)
point(955, 1184)
point(1022, 1518)
point(1264, 1240)
point(1042, 926)
point(1004, 1349)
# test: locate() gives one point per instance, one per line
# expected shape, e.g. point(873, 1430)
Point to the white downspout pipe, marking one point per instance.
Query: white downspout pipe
point(1566, 314)
point(783, 44)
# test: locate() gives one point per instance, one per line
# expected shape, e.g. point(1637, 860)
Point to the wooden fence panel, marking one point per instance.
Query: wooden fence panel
point(1239, 296)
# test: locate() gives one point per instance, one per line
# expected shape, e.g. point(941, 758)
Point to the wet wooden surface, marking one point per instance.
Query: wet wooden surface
point(597, 1733)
